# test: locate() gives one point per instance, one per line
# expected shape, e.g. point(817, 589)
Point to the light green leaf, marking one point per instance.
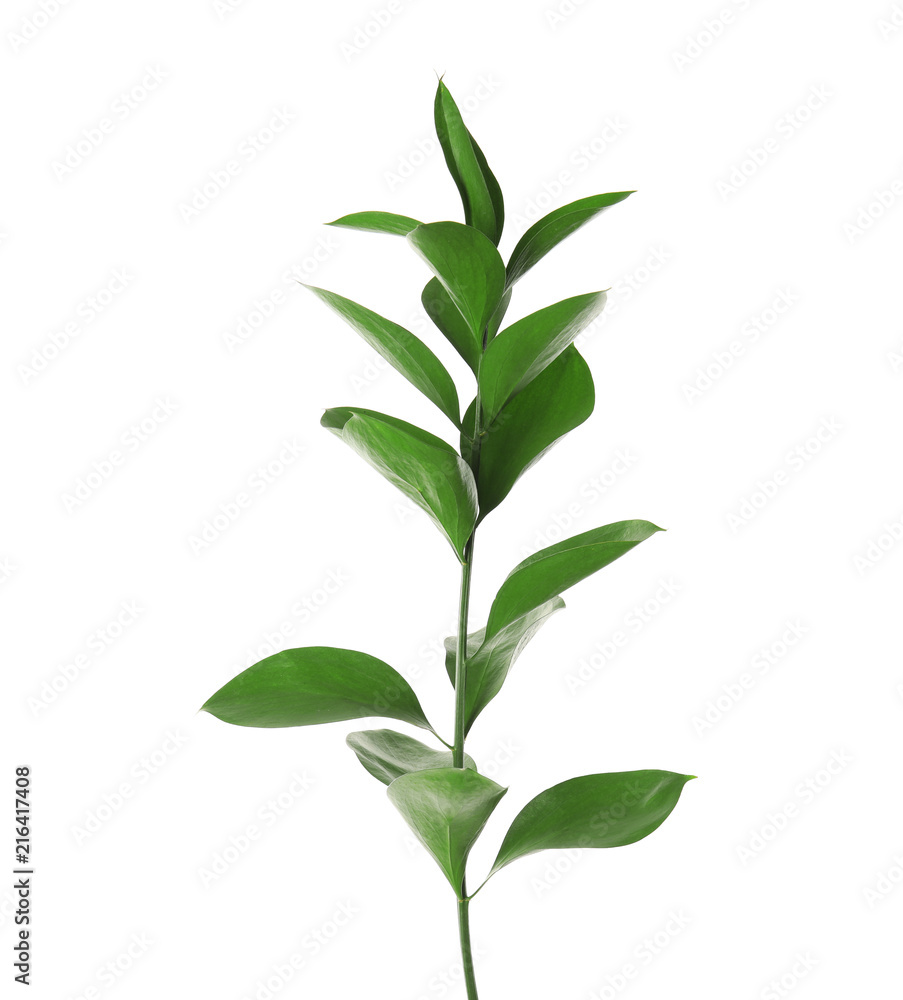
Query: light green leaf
point(479, 190)
point(542, 236)
point(552, 570)
point(377, 222)
point(313, 685)
point(447, 809)
point(596, 810)
point(467, 264)
point(387, 754)
point(444, 313)
point(425, 468)
point(487, 663)
point(521, 351)
point(559, 399)
point(405, 352)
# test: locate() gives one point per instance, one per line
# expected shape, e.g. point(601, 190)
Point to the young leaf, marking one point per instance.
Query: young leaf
point(487, 663)
point(539, 239)
point(312, 685)
point(387, 755)
point(405, 352)
point(444, 313)
point(559, 399)
point(479, 190)
point(552, 570)
point(467, 264)
point(377, 222)
point(596, 810)
point(425, 468)
point(521, 351)
point(447, 809)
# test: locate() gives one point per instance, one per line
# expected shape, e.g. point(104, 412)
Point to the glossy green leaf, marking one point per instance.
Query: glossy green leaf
point(467, 264)
point(596, 810)
point(487, 663)
point(425, 468)
point(552, 570)
point(559, 399)
point(479, 190)
point(551, 229)
point(521, 351)
point(313, 685)
point(405, 352)
point(444, 313)
point(377, 222)
point(387, 755)
point(447, 809)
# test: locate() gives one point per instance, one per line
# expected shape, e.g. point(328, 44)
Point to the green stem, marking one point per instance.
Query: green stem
point(461, 656)
point(463, 606)
point(466, 954)
point(461, 697)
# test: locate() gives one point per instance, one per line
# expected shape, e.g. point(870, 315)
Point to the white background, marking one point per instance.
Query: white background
point(766, 152)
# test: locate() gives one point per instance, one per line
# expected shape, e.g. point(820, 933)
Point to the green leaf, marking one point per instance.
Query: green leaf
point(377, 222)
point(552, 570)
point(487, 663)
point(312, 685)
point(521, 351)
point(425, 468)
point(405, 352)
point(479, 190)
point(444, 313)
point(596, 810)
point(551, 229)
point(559, 399)
point(467, 264)
point(387, 755)
point(447, 809)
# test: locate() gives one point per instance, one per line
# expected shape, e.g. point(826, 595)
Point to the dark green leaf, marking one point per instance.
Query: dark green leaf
point(447, 809)
point(387, 754)
point(444, 313)
point(521, 351)
point(405, 352)
point(488, 663)
point(479, 190)
point(377, 222)
point(559, 399)
point(467, 264)
point(425, 468)
point(596, 810)
point(539, 239)
point(312, 685)
point(552, 570)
